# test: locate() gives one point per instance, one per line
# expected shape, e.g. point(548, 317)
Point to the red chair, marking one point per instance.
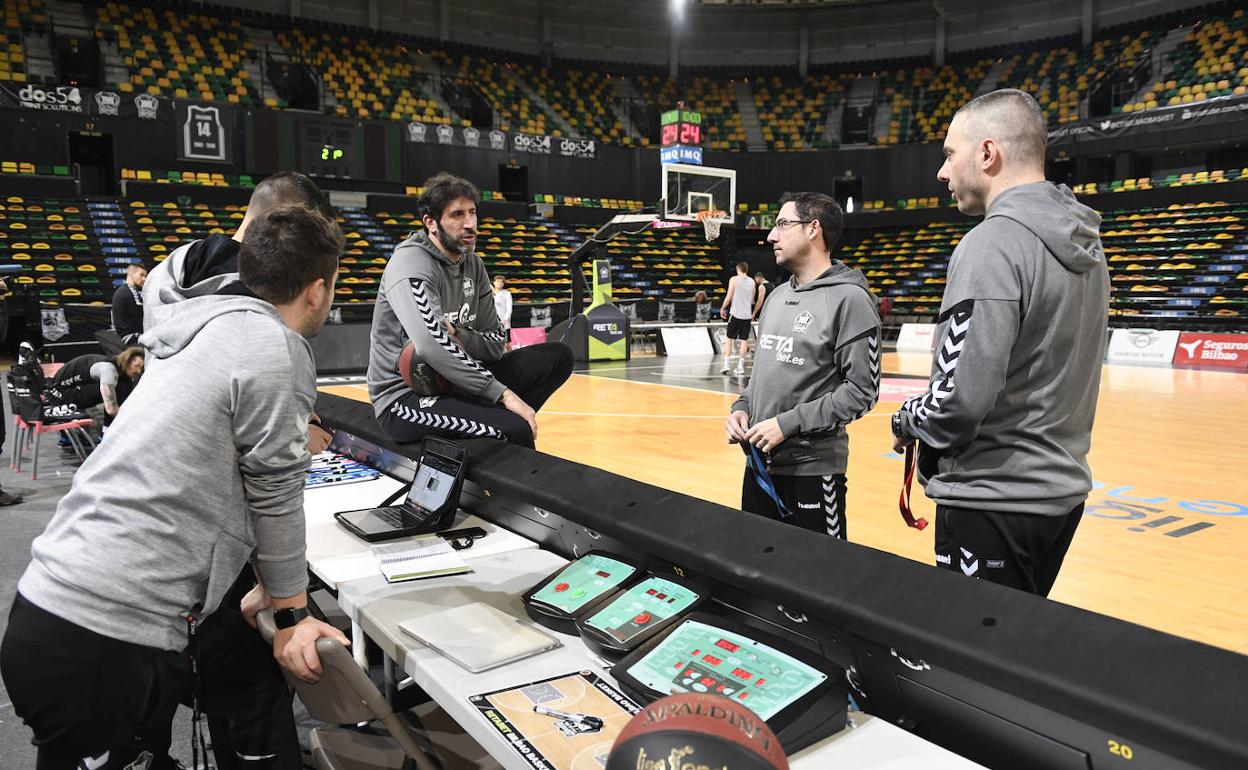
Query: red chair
point(28, 432)
point(30, 421)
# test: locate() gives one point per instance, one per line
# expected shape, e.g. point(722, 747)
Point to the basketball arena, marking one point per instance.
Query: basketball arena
point(418, 384)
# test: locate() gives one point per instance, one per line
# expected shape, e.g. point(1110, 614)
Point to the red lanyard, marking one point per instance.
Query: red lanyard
point(903, 503)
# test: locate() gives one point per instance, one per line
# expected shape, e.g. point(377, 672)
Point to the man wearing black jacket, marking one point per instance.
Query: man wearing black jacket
point(128, 305)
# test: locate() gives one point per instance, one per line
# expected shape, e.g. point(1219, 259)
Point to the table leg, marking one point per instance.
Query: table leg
point(358, 647)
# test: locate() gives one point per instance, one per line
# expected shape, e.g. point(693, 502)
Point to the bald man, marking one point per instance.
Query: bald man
point(1005, 425)
point(128, 305)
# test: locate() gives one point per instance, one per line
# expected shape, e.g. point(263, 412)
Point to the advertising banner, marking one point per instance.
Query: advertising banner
point(916, 338)
point(1210, 111)
point(535, 144)
point(1224, 351)
point(1142, 346)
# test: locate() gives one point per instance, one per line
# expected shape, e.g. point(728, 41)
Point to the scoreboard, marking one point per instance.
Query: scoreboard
point(681, 136)
point(329, 149)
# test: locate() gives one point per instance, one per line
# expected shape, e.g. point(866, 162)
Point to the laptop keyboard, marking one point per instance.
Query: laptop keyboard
point(398, 517)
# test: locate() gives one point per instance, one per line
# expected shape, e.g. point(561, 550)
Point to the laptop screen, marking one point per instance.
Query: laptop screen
point(435, 478)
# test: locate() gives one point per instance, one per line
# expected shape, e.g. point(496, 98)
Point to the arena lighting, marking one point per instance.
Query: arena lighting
point(677, 9)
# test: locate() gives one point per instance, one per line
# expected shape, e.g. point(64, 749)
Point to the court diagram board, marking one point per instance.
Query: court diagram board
point(560, 741)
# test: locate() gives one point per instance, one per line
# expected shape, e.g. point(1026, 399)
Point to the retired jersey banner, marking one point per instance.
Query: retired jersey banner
point(1223, 351)
point(204, 132)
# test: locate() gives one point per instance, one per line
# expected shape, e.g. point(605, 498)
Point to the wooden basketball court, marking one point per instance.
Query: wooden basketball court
point(1162, 542)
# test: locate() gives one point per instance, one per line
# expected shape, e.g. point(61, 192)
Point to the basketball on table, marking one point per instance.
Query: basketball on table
point(697, 730)
point(419, 376)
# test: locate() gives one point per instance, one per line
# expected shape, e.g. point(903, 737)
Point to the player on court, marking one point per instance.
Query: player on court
point(740, 308)
point(817, 368)
point(435, 293)
point(1005, 426)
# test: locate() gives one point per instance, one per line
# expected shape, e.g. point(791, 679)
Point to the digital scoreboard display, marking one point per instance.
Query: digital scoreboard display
point(329, 149)
point(681, 127)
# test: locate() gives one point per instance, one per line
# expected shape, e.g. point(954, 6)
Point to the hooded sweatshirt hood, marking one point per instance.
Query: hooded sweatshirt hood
point(838, 274)
point(198, 269)
point(1066, 227)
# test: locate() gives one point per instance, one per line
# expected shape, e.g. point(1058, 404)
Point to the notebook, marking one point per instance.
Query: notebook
point(416, 559)
point(478, 636)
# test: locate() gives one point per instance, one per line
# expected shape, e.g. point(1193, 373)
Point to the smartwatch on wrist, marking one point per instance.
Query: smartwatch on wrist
point(290, 616)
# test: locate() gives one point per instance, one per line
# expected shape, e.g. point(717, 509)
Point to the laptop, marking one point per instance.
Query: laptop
point(430, 504)
point(478, 636)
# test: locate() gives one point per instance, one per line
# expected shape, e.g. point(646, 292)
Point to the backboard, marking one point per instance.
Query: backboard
point(688, 190)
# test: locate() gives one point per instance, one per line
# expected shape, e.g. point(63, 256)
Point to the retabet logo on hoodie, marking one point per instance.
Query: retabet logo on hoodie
point(783, 347)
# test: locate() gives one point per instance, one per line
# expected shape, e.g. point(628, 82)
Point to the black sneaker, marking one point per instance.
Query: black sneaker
point(8, 499)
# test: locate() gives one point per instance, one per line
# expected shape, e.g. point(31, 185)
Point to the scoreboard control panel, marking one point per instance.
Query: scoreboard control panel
point(649, 607)
point(800, 694)
point(576, 589)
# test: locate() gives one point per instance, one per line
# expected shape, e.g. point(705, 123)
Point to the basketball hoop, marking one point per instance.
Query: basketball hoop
point(711, 220)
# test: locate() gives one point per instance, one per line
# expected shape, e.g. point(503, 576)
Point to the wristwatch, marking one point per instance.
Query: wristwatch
point(289, 616)
point(897, 423)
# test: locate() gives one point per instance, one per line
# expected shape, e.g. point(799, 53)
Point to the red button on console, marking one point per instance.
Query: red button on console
point(643, 618)
point(562, 587)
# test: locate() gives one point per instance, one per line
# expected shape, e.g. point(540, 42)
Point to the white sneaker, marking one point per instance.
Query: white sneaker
point(741, 368)
point(727, 365)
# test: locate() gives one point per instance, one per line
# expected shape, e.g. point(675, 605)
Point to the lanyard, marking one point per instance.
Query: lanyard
point(759, 468)
point(903, 503)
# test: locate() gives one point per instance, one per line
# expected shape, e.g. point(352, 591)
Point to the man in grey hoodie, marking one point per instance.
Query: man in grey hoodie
point(210, 265)
point(435, 298)
point(1005, 426)
point(816, 369)
point(116, 616)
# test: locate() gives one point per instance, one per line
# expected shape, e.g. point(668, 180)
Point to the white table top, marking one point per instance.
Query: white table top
point(336, 556)
point(500, 580)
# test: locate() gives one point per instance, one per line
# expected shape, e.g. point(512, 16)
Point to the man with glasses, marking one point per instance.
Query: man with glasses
point(816, 369)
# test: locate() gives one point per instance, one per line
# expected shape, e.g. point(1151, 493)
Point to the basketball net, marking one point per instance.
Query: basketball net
point(711, 220)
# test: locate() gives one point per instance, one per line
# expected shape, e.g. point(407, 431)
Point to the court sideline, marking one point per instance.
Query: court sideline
point(1161, 543)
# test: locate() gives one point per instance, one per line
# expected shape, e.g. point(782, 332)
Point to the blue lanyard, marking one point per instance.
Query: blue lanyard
point(759, 468)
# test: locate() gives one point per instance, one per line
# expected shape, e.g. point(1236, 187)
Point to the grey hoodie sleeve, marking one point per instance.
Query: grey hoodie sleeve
point(271, 439)
point(423, 321)
point(978, 325)
point(484, 338)
point(857, 360)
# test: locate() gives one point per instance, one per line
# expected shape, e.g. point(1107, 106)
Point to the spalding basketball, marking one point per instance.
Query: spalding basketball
point(697, 730)
point(420, 376)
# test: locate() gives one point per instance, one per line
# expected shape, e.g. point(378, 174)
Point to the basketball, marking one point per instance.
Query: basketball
point(420, 376)
point(697, 730)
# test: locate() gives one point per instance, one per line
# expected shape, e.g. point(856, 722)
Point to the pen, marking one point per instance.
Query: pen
point(584, 719)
